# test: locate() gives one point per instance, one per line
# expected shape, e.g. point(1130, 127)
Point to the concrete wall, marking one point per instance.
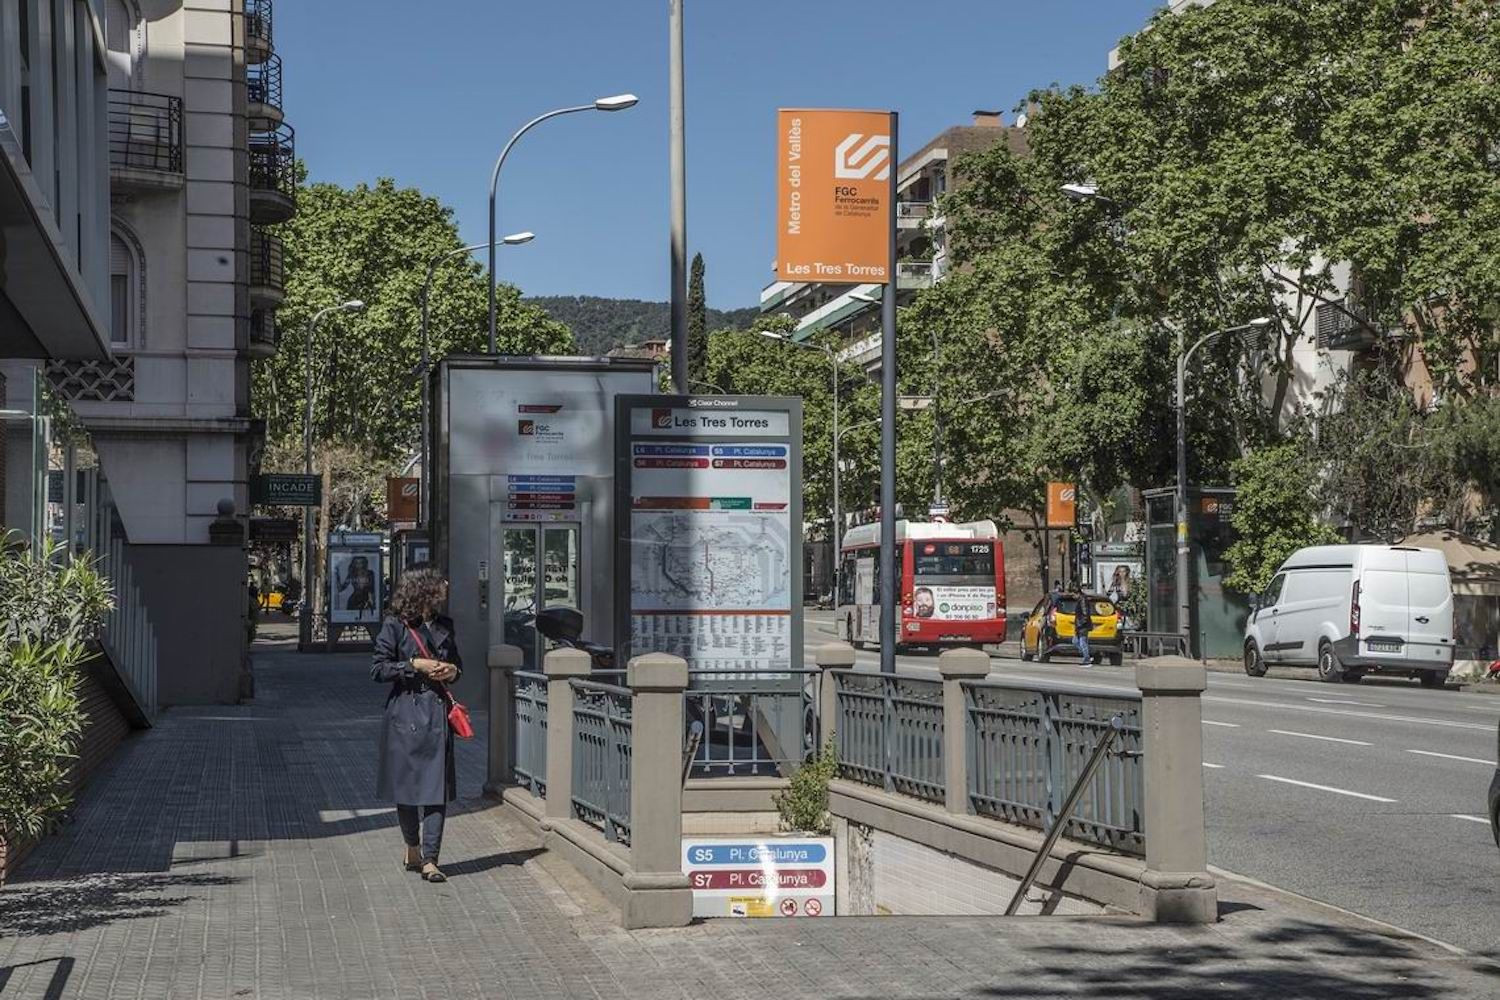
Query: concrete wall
point(196, 600)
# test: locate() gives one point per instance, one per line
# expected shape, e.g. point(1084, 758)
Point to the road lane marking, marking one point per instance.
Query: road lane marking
point(1471, 819)
point(1424, 720)
point(1226, 725)
point(1453, 756)
point(1346, 701)
point(1216, 767)
point(1325, 788)
point(1315, 736)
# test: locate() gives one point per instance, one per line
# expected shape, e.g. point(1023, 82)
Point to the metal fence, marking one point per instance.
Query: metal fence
point(263, 84)
point(1142, 644)
point(1027, 745)
point(889, 732)
point(749, 730)
point(145, 131)
point(529, 701)
point(602, 737)
point(128, 637)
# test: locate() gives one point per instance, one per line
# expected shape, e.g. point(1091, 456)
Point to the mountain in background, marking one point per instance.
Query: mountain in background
point(599, 324)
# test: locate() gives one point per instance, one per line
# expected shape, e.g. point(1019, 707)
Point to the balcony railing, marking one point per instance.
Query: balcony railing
point(273, 175)
point(914, 273)
point(262, 336)
point(258, 29)
point(263, 93)
point(145, 131)
point(913, 210)
point(267, 273)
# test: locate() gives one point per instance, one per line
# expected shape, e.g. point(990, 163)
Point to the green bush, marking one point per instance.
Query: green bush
point(804, 804)
point(49, 613)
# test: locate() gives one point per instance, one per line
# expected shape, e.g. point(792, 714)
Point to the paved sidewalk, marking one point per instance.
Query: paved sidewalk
point(238, 852)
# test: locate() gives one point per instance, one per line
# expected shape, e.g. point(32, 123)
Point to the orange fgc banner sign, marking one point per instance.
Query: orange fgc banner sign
point(834, 195)
point(403, 499)
point(1062, 505)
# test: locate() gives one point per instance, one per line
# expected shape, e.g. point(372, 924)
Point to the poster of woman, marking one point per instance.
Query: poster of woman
point(354, 577)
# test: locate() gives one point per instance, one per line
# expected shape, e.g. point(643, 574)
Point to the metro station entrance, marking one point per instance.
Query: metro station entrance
point(541, 567)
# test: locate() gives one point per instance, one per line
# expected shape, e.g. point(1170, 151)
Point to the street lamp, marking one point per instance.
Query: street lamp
point(1083, 191)
point(514, 239)
point(833, 361)
point(618, 102)
point(304, 615)
point(1257, 327)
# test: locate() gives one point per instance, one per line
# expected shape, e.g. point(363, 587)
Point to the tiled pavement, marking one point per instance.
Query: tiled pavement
point(238, 852)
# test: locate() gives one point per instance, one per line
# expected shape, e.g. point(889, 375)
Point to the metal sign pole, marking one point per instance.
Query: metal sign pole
point(888, 434)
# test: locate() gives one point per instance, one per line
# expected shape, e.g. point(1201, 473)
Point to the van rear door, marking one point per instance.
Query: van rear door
point(1384, 606)
point(1429, 634)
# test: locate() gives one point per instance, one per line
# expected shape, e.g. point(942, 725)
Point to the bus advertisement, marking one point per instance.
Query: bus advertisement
point(951, 590)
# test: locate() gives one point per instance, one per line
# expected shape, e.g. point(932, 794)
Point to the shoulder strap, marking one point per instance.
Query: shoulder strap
point(421, 646)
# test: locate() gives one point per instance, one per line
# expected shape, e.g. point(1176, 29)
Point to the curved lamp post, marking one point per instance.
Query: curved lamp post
point(514, 239)
point(618, 102)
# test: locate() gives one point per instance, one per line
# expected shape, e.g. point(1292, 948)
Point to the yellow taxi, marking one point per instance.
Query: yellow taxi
point(1050, 628)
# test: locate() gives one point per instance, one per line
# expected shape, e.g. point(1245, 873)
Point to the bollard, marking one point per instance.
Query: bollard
point(503, 661)
point(957, 666)
point(1177, 887)
point(829, 657)
point(561, 666)
point(659, 893)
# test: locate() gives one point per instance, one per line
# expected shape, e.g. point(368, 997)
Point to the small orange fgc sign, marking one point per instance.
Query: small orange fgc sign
point(834, 201)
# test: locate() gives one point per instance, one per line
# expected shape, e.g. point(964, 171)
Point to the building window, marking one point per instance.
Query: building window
point(123, 281)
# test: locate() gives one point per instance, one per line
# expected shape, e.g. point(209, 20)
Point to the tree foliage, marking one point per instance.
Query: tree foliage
point(49, 612)
point(1277, 511)
point(600, 324)
point(374, 243)
point(697, 323)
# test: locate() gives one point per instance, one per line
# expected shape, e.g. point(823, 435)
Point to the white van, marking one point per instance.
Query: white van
point(1350, 610)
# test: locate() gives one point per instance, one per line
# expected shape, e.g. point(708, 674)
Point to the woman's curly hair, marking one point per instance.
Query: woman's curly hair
point(420, 595)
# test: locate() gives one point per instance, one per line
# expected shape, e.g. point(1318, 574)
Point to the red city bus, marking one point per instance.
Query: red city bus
point(952, 590)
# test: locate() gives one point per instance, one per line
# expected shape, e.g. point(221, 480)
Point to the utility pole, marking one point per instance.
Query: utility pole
point(679, 206)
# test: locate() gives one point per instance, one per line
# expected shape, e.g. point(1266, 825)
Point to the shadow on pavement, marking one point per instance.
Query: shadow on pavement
point(474, 866)
point(1306, 960)
point(55, 986)
point(61, 906)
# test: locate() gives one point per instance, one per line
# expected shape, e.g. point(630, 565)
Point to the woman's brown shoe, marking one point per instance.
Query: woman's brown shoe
point(412, 861)
point(432, 873)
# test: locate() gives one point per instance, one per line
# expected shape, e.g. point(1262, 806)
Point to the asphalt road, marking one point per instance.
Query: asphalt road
point(1368, 796)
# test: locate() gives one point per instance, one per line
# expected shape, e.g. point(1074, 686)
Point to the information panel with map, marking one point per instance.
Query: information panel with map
point(709, 526)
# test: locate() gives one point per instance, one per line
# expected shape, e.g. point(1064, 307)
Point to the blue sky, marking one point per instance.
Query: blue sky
point(385, 88)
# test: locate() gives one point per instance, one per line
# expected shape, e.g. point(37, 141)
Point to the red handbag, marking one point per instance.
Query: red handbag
point(458, 716)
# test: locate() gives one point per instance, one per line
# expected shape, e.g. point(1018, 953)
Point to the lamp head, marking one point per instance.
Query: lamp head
point(516, 239)
point(864, 297)
point(353, 305)
point(1080, 191)
point(619, 102)
point(1260, 323)
point(772, 334)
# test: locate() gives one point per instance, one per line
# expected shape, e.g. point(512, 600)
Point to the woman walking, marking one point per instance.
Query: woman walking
point(416, 653)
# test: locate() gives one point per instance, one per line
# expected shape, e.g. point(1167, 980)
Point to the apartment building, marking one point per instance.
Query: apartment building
point(921, 248)
point(54, 217)
point(200, 169)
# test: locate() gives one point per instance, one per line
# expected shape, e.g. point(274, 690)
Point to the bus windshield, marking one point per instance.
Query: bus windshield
point(970, 563)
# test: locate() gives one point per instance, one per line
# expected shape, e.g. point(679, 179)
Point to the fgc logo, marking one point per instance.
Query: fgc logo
point(861, 157)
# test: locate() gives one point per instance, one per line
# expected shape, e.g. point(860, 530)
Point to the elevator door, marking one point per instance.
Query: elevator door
point(541, 569)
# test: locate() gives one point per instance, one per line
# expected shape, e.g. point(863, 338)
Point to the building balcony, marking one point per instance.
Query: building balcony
point(273, 176)
point(913, 214)
point(914, 274)
point(257, 31)
point(145, 141)
point(263, 334)
point(267, 273)
point(263, 94)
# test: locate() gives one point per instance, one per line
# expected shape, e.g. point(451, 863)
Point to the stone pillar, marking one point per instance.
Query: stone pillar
point(503, 661)
point(659, 894)
point(1177, 887)
point(957, 666)
point(829, 657)
point(561, 666)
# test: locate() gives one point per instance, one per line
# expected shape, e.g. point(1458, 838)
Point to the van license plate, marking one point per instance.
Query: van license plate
point(1384, 646)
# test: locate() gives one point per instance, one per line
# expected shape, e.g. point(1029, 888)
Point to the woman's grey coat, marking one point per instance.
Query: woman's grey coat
point(416, 747)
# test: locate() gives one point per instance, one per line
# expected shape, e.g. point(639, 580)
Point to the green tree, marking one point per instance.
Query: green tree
point(697, 319)
point(49, 613)
point(1277, 512)
point(374, 243)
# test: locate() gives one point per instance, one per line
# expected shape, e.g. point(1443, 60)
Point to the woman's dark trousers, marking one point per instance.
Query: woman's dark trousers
point(424, 824)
